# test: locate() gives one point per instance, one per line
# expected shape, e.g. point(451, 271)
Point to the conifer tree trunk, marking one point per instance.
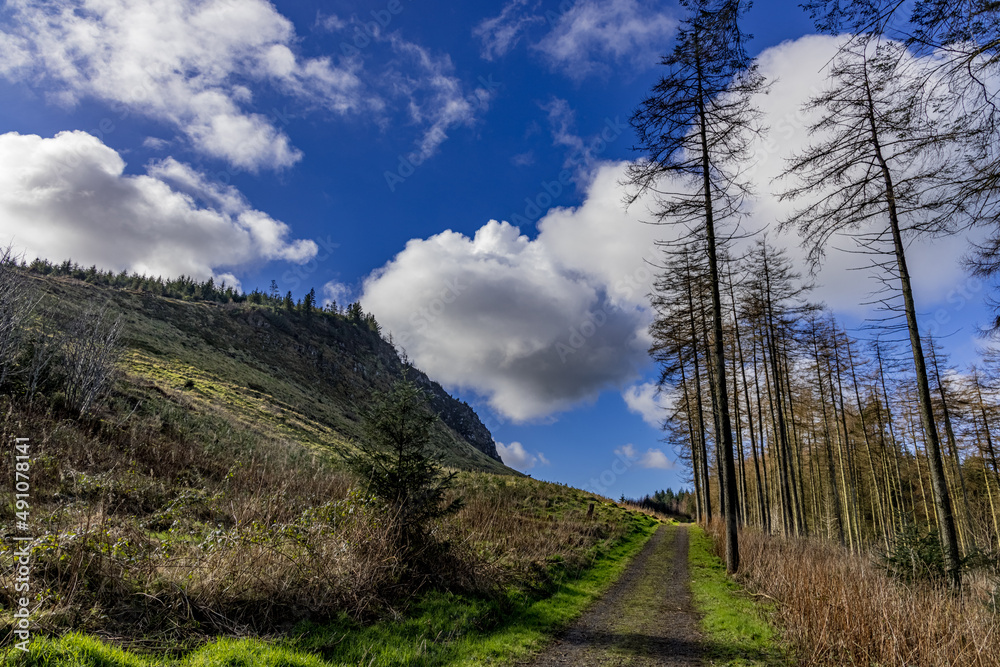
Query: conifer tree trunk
point(831, 474)
point(726, 455)
point(956, 464)
point(706, 490)
point(694, 439)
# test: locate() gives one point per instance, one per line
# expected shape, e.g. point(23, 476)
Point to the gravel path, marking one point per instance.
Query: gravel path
point(646, 619)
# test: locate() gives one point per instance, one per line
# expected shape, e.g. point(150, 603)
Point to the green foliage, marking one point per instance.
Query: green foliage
point(309, 303)
point(915, 555)
point(396, 466)
point(354, 312)
point(189, 289)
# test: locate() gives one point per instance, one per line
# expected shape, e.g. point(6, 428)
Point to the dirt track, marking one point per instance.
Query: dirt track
point(646, 619)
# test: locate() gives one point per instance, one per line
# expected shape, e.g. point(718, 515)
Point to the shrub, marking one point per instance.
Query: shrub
point(396, 467)
point(915, 556)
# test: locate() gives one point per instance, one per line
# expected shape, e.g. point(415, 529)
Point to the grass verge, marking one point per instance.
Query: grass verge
point(440, 629)
point(736, 628)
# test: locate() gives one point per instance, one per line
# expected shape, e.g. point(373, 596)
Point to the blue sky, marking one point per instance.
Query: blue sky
point(454, 166)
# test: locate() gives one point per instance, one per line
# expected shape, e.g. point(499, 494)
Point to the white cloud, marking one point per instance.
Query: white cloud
point(500, 34)
point(580, 154)
point(593, 35)
point(154, 143)
point(536, 326)
point(647, 401)
point(198, 66)
point(332, 22)
point(438, 101)
point(655, 458)
point(651, 458)
point(68, 198)
point(516, 456)
point(525, 159)
point(539, 326)
point(186, 63)
point(627, 452)
point(585, 37)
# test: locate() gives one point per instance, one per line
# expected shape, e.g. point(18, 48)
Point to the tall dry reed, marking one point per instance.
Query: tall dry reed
point(841, 608)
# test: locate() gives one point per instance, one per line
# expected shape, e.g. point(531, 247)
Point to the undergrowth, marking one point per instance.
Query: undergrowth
point(841, 608)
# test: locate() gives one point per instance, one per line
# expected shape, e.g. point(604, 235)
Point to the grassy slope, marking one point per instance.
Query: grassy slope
point(440, 629)
point(737, 630)
point(283, 376)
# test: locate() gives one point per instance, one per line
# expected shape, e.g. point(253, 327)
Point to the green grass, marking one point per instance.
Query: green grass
point(736, 628)
point(440, 629)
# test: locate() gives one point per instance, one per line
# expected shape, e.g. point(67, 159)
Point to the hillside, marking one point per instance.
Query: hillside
point(283, 374)
point(202, 496)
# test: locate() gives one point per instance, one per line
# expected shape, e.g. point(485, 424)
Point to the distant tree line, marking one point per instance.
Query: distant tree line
point(680, 503)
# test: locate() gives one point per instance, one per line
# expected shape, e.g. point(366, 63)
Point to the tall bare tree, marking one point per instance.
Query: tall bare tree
point(874, 171)
point(696, 131)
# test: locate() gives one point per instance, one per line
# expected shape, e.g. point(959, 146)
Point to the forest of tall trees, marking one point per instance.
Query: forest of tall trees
point(790, 422)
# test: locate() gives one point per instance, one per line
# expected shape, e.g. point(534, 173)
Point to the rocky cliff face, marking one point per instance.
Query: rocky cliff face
point(355, 360)
point(459, 417)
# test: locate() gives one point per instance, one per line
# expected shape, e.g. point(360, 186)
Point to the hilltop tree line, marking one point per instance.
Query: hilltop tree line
point(790, 423)
point(190, 289)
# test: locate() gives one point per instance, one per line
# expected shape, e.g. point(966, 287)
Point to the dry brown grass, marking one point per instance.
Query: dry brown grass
point(839, 608)
point(172, 521)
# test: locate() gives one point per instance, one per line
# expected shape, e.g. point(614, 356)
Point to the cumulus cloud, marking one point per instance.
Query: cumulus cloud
point(844, 282)
point(651, 458)
point(516, 456)
point(186, 63)
point(648, 402)
point(540, 325)
point(68, 197)
point(536, 326)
